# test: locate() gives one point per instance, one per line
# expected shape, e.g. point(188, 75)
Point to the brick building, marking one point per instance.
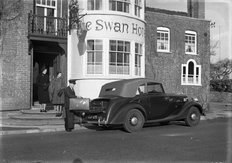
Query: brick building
point(33, 34)
point(175, 50)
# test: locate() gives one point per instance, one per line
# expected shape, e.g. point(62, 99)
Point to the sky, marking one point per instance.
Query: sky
point(218, 11)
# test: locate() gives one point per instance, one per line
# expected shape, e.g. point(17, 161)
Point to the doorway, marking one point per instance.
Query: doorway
point(51, 61)
point(50, 55)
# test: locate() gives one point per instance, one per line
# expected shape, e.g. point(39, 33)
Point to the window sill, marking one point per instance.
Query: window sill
point(167, 52)
point(191, 53)
point(199, 85)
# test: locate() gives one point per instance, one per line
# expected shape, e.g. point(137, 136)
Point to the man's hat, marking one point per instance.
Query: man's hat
point(73, 81)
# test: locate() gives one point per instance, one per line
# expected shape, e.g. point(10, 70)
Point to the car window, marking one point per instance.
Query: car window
point(140, 90)
point(154, 88)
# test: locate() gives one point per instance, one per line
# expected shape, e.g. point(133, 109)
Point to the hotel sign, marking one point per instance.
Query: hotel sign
point(118, 27)
point(115, 25)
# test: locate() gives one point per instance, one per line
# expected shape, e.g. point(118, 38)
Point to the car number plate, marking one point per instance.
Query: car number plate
point(92, 117)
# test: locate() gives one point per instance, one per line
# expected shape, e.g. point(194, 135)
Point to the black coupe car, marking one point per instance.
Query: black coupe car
point(133, 102)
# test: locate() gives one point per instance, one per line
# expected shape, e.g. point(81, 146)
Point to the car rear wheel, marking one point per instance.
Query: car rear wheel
point(193, 117)
point(134, 121)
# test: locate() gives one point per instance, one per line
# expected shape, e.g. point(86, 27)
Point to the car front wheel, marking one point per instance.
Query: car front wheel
point(193, 117)
point(134, 121)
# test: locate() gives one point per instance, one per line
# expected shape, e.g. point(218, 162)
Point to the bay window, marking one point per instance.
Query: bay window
point(119, 57)
point(94, 56)
point(138, 56)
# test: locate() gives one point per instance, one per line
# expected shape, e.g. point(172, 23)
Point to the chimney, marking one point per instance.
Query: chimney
point(196, 8)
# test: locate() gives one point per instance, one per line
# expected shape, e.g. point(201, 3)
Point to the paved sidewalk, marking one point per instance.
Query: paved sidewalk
point(32, 121)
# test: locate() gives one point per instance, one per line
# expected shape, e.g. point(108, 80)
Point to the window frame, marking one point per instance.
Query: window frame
point(95, 2)
point(191, 34)
point(160, 31)
point(191, 78)
point(138, 56)
point(94, 52)
point(137, 8)
point(44, 19)
point(114, 5)
point(124, 52)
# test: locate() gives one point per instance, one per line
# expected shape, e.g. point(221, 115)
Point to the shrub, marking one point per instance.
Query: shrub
point(224, 85)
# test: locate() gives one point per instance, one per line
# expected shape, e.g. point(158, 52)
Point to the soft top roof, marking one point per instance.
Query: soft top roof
point(124, 88)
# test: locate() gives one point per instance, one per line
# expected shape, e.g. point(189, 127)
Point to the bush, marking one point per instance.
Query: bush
point(224, 85)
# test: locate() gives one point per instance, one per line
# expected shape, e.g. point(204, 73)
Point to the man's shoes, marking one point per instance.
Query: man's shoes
point(43, 110)
point(58, 114)
point(68, 129)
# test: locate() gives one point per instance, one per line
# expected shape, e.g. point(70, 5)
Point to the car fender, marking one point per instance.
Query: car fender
point(120, 115)
point(188, 105)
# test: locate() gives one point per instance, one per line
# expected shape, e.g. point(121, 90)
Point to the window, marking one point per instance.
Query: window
point(94, 5)
point(138, 55)
point(46, 11)
point(119, 57)
point(138, 7)
point(141, 89)
point(94, 56)
point(163, 39)
point(191, 73)
point(51, 3)
point(154, 88)
point(119, 5)
point(190, 42)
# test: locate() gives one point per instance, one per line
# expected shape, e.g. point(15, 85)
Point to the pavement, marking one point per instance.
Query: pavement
point(33, 121)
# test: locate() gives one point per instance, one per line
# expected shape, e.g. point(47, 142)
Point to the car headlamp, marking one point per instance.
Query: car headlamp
point(195, 99)
point(185, 99)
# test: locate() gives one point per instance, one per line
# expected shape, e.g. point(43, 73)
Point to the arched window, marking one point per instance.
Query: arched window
point(191, 73)
point(163, 39)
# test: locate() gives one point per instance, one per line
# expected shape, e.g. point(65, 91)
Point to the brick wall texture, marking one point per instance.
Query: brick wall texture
point(166, 67)
point(14, 58)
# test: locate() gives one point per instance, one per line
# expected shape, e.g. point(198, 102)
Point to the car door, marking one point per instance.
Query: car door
point(158, 101)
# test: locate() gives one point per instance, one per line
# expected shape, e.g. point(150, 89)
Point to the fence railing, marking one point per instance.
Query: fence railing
point(47, 26)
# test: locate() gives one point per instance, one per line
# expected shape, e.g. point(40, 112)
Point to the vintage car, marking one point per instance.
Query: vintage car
point(133, 102)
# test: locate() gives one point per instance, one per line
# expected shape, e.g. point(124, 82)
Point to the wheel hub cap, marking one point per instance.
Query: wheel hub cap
point(134, 121)
point(193, 116)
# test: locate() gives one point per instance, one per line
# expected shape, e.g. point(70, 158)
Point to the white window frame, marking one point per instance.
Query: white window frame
point(189, 44)
point(94, 5)
point(95, 65)
point(124, 2)
point(138, 8)
point(124, 67)
point(162, 41)
point(191, 79)
point(138, 56)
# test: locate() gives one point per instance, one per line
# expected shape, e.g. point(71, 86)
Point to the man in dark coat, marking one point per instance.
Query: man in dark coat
point(43, 84)
point(69, 93)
